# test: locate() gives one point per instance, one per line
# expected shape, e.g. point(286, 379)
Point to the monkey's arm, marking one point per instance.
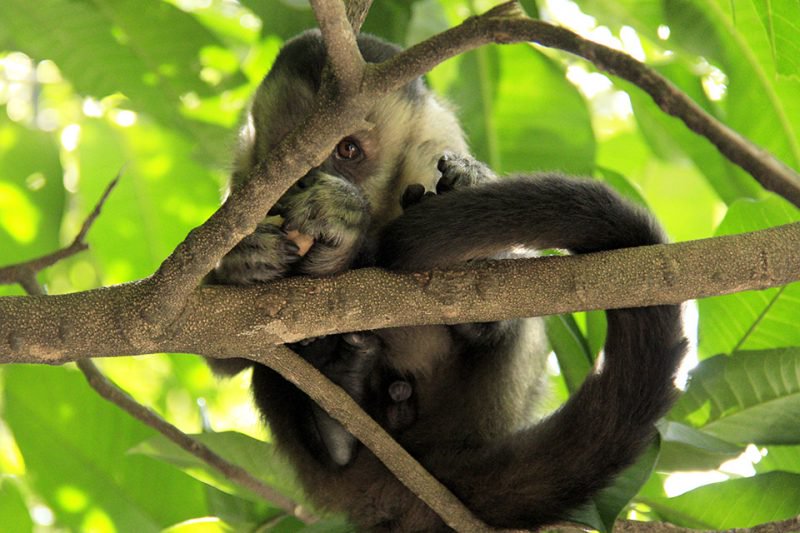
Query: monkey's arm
point(538, 475)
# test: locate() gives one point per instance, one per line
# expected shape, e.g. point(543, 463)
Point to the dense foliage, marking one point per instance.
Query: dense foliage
point(156, 88)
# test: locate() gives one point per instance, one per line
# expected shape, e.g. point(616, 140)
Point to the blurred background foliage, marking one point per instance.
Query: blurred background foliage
point(157, 88)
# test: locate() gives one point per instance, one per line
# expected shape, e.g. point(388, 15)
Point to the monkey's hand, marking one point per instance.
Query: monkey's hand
point(458, 172)
point(331, 211)
point(264, 255)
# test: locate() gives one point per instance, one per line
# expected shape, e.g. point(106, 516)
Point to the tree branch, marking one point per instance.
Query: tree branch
point(344, 58)
point(357, 12)
point(235, 473)
point(337, 115)
point(231, 321)
point(25, 273)
point(336, 402)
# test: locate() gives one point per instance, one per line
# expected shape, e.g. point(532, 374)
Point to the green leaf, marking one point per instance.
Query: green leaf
point(644, 16)
point(257, 457)
point(684, 448)
point(150, 51)
point(13, 511)
point(278, 18)
point(745, 56)
point(205, 525)
point(574, 358)
point(31, 193)
point(780, 458)
point(737, 503)
point(754, 319)
point(162, 195)
point(605, 506)
point(737, 44)
point(520, 112)
point(74, 445)
point(781, 19)
point(671, 139)
point(746, 397)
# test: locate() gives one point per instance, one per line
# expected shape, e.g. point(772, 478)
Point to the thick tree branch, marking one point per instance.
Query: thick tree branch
point(231, 321)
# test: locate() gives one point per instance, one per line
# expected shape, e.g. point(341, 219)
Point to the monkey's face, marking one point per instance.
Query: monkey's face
point(344, 203)
point(406, 137)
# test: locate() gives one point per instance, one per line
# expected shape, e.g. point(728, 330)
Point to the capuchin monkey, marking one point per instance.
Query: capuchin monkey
point(406, 195)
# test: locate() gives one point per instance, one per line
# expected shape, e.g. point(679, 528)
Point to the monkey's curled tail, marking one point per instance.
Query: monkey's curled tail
point(536, 477)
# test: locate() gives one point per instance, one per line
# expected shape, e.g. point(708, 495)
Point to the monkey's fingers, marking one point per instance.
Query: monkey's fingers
point(304, 242)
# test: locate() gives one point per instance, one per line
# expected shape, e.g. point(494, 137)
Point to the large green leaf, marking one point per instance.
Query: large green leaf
point(74, 444)
point(31, 194)
point(743, 51)
point(257, 457)
point(684, 448)
point(746, 397)
point(520, 112)
point(14, 513)
point(780, 458)
point(736, 503)
point(150, 51)
point(758, 103)
point(670, 138)
point(162, 195)
point(754, 319)
point(781, 19)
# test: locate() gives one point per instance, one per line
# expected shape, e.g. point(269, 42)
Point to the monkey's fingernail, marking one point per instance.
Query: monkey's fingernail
point(400, 391)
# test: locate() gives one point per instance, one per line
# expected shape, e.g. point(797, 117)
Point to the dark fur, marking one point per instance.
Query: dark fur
point(461, 399)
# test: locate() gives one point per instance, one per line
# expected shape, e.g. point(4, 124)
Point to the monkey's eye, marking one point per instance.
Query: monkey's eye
point(348, 149)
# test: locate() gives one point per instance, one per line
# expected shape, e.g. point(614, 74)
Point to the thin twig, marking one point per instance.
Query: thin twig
point(27, 278)
point(357, 12)
point(23, 273)
point(231, 471)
